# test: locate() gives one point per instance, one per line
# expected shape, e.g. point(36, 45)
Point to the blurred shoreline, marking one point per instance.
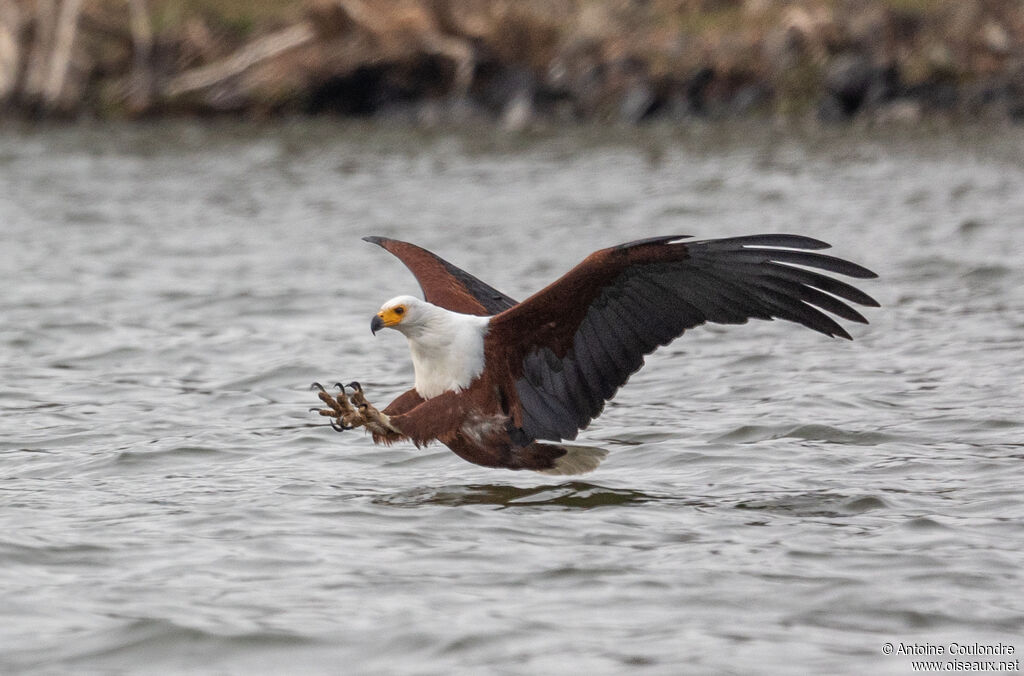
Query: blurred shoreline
point(515, 63)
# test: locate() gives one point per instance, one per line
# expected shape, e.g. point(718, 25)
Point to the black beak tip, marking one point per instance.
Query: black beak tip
point(376, 324)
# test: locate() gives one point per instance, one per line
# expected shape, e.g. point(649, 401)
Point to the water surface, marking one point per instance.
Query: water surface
point(774, 501)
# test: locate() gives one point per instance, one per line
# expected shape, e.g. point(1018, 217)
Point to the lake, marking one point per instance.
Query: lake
point(774, 501)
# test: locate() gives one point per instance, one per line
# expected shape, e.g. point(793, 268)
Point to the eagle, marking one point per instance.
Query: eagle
point(506, 384)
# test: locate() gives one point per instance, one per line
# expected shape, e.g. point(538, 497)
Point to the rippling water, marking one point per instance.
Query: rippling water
point(774, 501)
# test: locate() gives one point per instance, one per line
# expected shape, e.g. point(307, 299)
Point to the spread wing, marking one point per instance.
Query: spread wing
point(444, 284)
point(560, 354)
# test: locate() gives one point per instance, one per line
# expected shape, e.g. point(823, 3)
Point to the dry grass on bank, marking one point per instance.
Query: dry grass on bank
point(514, 59)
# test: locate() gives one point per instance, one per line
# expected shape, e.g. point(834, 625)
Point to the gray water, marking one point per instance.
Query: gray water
point(774, 501)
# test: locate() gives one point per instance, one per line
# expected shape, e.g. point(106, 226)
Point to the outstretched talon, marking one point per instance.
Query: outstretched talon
point(358, 399)
point(348, 412)
point(343, 415)
point(375, 421)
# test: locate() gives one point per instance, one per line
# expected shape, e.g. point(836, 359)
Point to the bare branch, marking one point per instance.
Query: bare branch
point(245, 58)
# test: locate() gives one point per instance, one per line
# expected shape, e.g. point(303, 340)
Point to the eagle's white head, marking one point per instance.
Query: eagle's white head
point(447, 347)
point(405, 314)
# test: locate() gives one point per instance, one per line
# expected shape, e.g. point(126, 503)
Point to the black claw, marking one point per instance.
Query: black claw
point(317, 386)
point(315, 408)
point(339, 428)
point(340, 386)
point(355, 386)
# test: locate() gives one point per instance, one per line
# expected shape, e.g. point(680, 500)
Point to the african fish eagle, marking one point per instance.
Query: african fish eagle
point(502, 383)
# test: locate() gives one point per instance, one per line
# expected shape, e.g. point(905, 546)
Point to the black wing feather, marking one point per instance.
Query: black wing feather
point(663, 288)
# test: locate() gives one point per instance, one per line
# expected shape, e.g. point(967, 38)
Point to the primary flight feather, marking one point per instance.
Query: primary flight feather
point(502, 384)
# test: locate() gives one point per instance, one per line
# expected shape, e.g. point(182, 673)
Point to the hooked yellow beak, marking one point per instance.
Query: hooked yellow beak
point(386, 318)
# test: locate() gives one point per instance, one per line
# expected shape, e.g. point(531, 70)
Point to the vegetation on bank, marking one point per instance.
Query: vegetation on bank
point(514, 60)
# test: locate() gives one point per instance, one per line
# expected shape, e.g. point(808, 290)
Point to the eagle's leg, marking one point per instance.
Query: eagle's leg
point(376, 422)
point(343, 415)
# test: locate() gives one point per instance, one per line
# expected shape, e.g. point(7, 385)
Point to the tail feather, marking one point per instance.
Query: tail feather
point(575, 460)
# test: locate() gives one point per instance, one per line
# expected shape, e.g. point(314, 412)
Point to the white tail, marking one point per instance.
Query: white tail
point(577, 460)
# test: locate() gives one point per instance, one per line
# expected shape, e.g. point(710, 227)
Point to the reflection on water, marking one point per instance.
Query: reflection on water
point(571, 495)
point(773, 501)
point(823, 504)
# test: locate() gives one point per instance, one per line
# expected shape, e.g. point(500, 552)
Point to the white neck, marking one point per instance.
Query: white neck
point(447, 349)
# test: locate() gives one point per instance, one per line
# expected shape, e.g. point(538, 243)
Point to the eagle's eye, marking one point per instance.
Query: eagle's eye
point(399, 310)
